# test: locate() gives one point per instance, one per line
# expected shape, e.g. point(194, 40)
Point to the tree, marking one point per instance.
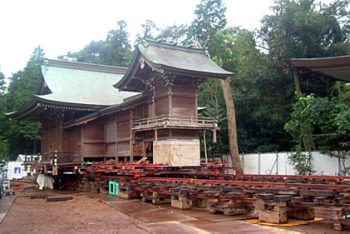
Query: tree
point(115, 50)
point(2, 84)
point(210, 19)
point(327, 119)
point(301, 28)
point(118, 49)
point(22, 136)
point(179, 35)
point(149, 29)
point(305, 28)
point(4, 146)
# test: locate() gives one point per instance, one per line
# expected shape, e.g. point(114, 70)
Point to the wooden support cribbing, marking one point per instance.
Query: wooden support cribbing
point(336, 214)
point(181, 202)
point(128, 194)
point(200, 203)
point(229, 208)
point(146, 196)
point(158, 198)
point(271, 211)
point(301, 213)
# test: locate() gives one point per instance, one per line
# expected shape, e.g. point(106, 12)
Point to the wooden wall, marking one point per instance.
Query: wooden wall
point(184, 101)
point(52, 136)
point(92, 139)
point(112, 136)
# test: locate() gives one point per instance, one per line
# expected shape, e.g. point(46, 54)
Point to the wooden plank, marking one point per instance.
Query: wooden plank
point(58, 198)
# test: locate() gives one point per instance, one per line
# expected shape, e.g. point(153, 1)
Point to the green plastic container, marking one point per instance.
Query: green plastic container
point(113, 187)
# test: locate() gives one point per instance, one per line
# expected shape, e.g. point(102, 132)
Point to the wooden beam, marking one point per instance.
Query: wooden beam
point(231, 122)
point(297, 84)
point(205, 146)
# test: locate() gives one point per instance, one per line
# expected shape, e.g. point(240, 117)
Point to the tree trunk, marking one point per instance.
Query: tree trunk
point(231, 122)
point(307, 138)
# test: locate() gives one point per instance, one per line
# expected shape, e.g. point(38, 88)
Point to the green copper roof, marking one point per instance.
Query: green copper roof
point(166, 58)
point(177, 57)
point(82, 83)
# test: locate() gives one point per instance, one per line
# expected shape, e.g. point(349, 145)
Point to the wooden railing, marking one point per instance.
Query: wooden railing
point(63, 157)
point(169, 121)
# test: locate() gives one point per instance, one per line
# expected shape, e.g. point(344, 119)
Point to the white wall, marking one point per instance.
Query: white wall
point(15, 170)
point(322, 164)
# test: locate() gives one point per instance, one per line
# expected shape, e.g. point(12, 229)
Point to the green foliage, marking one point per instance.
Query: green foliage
point(327, 119)
point(304, 28)
point(2, 84)
point(21, 136)
point(149, 29)
point(302, 162)
point(210, 17)
point(319, 115)
point(176, 34)
point(115, 50)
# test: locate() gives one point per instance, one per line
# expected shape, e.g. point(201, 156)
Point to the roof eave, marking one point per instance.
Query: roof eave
point(127, 76)
point(69, 104)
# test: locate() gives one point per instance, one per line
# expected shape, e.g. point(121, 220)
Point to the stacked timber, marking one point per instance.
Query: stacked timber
point(274, 199)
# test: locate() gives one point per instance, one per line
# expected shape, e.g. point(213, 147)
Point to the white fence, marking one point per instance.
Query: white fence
point(279, 164)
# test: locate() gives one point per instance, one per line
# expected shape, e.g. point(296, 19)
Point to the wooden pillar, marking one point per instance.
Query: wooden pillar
point(116, 137)
point(231, 123)
point(296, 78)
point(154, 101)
point(307, 138)
point(131, 135)
point(214, 136)
point(205, 146)
point(170, 100)
point(60, 132)
point(155, 148)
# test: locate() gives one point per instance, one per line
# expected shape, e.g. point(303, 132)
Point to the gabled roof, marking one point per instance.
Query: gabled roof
point(161, 57)
point(75, 86)
point(335, 67)
point(83, 84)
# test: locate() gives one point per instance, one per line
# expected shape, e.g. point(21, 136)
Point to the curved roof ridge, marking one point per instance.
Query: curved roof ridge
point(176, 47)
point(84, 66)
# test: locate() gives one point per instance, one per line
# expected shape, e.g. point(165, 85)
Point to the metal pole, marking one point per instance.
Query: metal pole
point(276, 163)
point(156, 144)
point(259, 163)
point(205, 147)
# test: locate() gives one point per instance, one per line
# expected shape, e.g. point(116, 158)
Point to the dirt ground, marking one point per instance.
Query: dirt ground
point(91, 213)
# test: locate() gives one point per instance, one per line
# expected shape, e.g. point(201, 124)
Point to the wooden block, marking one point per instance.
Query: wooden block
point(297, 199)
point(282, 198)
point(337, 226)
point(228, 212)
point(200, 203)
point(38, 196)
point(264, 196)
point(302, 214)
point(59, 198)
point(273, 216)
point(182, 203)
point(259, 205)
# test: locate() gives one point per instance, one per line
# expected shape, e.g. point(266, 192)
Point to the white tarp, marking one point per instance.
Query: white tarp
point(44, 181)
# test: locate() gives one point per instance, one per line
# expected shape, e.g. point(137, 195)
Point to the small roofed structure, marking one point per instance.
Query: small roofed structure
point(94, 112)
point(337, 68)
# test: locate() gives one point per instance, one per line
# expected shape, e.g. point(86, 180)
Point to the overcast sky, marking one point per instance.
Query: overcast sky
point(59, 26)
